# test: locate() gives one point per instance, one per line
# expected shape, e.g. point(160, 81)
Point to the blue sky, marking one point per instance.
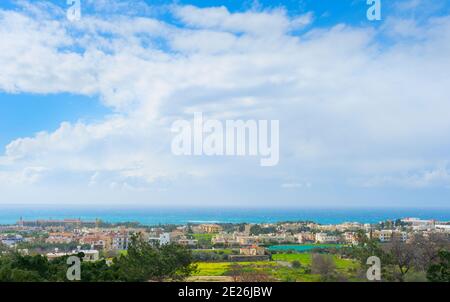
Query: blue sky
point(25, 114)
point(86, 106)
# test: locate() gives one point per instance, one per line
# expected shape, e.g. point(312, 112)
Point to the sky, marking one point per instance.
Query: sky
point(86, 106)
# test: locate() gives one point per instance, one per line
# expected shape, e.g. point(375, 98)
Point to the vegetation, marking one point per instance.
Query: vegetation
point(258, 230)
point(204, 240)
point(403, 261)
point(142, 262)
point(421, 258)
point(440, 271)
point(223, 268)
point(325, 266)
point(284, 268)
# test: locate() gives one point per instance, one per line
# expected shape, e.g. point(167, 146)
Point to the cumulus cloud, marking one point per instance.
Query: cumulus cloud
point(260, 23)
point(345, 100)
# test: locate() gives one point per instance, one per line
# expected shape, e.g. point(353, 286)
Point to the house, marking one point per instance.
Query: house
point(443, 228)
point(350, 237)
point(89, 255)
point(246, 240)
point(210, 228)
point(387, 235)
point(12, 240)
point(120, 241)
point(163, 239)
point(253, 250)
point(177, 233)
point(276, 238)
point(251, 253)
point(305, 237)
point(57, 238)
point(187, 242)
point(225, 239)
point(54, 255)
point(97, 241)
point(325, 238)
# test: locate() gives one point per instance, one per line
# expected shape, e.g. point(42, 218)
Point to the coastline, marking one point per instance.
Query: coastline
point(153, 216)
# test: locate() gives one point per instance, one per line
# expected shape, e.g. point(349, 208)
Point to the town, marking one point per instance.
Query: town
point(276, 251)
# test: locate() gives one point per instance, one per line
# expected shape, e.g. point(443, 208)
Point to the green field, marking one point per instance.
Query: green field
point(203, 237)
point(305, 259)
point(280, 268)
point(220, 268)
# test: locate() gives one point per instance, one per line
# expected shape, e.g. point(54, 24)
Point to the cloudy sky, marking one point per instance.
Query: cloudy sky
point(86, 106)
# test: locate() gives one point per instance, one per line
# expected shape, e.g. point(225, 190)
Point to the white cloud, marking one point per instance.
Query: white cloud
point(344, 100)
point(437, 177)
point(25, 175)
point(250, 22)
point(296, 185)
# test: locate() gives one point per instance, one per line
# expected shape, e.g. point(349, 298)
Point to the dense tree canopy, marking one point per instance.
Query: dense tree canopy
point(143, 262)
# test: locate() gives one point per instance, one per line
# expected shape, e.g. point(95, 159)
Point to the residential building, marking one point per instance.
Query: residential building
point(252, 250)
point(325, 238)
point(210, 228)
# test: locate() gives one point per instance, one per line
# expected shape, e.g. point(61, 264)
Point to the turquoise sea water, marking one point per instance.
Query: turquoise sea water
point(151, 216)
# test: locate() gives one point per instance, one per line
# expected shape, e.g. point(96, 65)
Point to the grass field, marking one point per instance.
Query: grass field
point(305, 259)
point(203, 237)
point(279, 268)
point(220, 268)
point(277, 271)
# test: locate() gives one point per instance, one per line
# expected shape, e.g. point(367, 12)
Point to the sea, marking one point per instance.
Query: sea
point(10, 214)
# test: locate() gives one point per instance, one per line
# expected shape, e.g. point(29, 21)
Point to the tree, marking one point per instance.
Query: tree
point(235, 271)
point(296, 264)
point(426, 249)
point(440, 272)
point(18, 268)
point(323, 265)
point(258, 230)
point(366, 247)
point(414, 256)
point(400, 261)
point(255, 229)
point(97, 271)
point(3, 247)
point(145, 262)
point(401, 256)
point(189, 229)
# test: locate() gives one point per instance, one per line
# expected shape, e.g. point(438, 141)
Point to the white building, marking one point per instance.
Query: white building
point(443, 228)
point(325, 238)
point(89, 255)
point(350, 237)
point(163, 239)
point(187, 242)
point(387, 235)
point(120, 242)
